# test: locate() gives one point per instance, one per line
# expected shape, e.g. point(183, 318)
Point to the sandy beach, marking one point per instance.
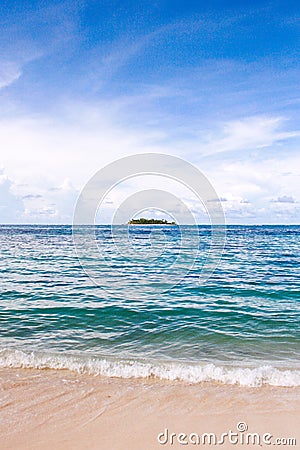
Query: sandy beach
point(46, 409)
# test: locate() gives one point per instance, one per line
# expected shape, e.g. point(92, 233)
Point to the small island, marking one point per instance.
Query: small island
point(143, 221)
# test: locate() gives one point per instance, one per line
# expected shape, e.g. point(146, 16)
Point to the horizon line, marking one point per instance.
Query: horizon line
point(126, 224)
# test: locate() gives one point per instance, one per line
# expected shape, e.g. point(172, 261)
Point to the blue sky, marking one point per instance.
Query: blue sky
point(83, 83)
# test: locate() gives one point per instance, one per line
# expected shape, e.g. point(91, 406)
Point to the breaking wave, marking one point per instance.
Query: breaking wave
point(172, 371)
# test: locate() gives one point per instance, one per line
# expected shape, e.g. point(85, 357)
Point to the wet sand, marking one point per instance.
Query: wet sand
point(47, 409)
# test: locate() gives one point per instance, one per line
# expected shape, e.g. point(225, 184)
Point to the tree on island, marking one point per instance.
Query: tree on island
point(143, 221)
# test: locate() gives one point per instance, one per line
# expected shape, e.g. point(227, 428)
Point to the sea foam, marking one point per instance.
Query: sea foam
point(172, 371)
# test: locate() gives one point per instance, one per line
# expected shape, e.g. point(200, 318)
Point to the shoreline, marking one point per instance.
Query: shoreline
point(250, 375)
point(46, 409)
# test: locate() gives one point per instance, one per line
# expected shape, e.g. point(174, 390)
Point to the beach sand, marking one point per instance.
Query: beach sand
point(48, 409)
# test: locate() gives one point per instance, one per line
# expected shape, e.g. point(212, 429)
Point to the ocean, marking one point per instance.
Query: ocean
point(150, 317)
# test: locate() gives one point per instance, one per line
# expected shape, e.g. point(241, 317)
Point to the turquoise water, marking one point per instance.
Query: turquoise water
point(240, 326)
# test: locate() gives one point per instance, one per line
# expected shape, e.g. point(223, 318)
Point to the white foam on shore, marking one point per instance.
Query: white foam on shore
point(177, 371)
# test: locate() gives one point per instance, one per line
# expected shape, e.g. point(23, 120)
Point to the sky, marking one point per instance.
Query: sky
point(83, 83)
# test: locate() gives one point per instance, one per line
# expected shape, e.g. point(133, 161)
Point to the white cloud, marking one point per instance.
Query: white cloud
point(11, 207)
point(49, 160)
point(9, 72)
point(284, 199)
point(249, 133)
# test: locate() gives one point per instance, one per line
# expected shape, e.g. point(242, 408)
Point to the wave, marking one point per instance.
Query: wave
point(172, 371)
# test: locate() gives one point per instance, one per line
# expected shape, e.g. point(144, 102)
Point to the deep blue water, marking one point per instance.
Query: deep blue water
point(149, 315)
